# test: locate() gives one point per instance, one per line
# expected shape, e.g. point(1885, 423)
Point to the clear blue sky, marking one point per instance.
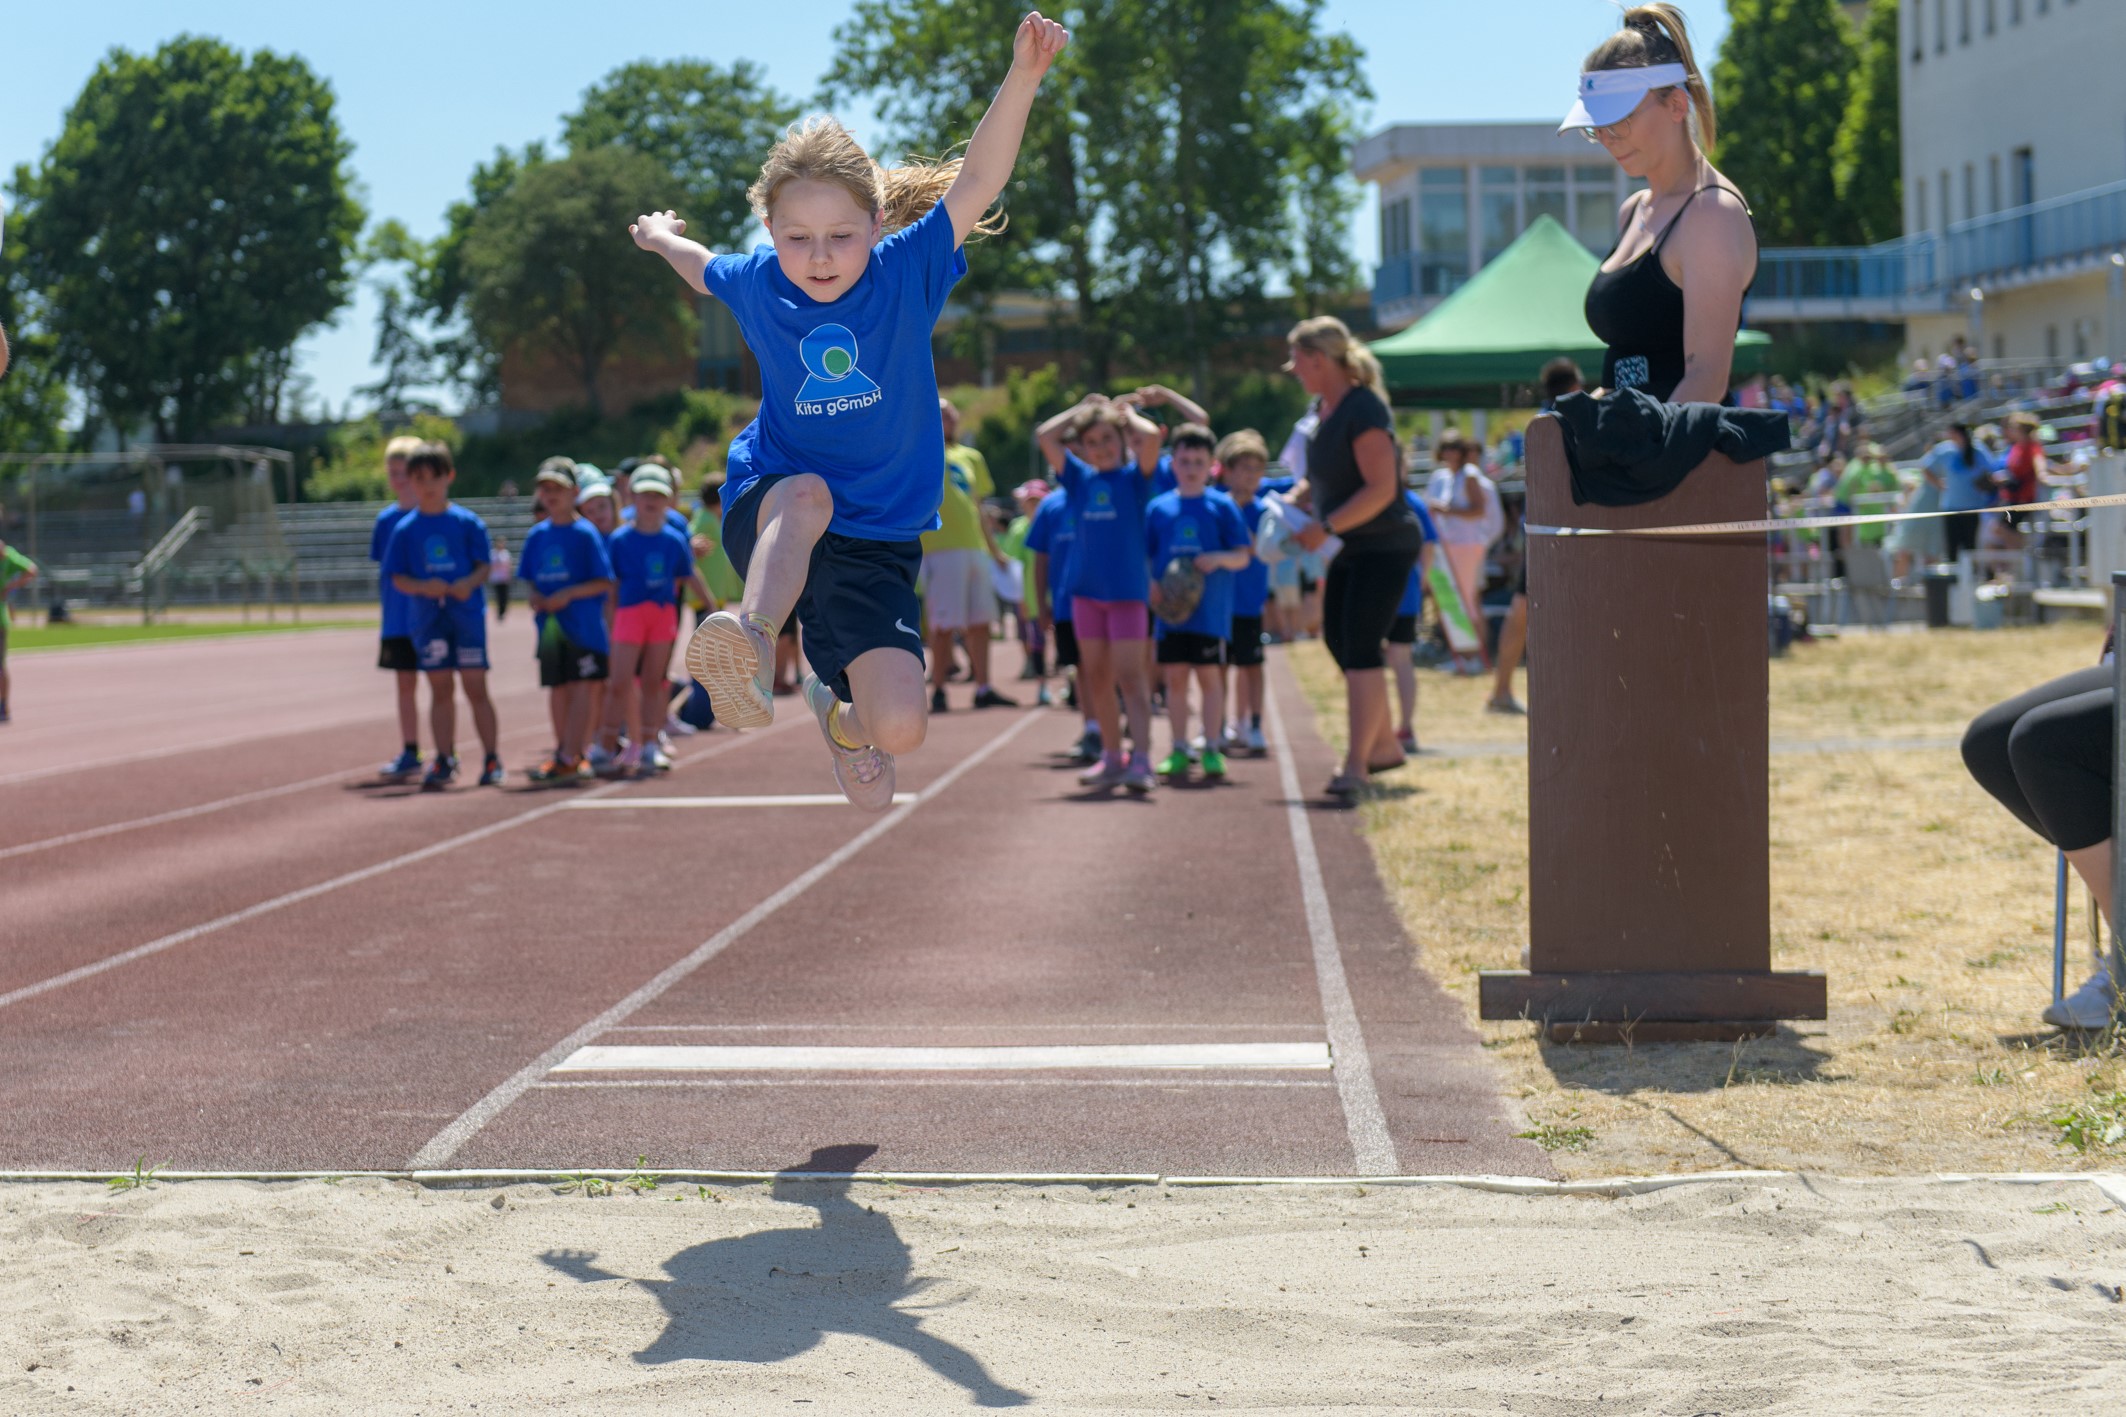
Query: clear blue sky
point(428, 89)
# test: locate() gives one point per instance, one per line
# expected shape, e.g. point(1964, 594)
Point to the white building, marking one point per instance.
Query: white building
point(1454, 195)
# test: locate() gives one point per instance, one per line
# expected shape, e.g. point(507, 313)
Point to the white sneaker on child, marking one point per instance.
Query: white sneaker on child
point(865, 775)
point(2091, 1007)
point(732, 660)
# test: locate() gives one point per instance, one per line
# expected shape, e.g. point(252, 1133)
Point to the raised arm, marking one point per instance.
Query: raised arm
point(665, 233)
point(1049, 436)
point(994, 149)
point(1146, 438)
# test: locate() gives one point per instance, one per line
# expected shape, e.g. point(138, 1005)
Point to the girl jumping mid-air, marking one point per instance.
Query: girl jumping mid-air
point(830, 489)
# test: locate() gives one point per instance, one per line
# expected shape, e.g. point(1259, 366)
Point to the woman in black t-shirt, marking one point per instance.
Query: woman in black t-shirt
point(1354, 480)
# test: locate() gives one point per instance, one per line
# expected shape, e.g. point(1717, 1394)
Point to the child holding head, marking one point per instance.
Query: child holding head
point(830, 489)
point(1107, 489)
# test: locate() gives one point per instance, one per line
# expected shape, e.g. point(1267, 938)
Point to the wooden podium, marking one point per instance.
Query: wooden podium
point(1649, 838)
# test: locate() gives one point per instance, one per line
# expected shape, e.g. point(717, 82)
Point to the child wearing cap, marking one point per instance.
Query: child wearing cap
point(564, 560)
point(650, 560)
point(395, 647)
point(596, 504)
point(438, 556)
point(1202, 527)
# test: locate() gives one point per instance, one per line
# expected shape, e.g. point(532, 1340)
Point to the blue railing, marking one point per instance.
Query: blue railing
point(2081, 224)
point(1394, 279)
point(1889, 271)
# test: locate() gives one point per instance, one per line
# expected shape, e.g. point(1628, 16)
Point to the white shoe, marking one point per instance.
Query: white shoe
point(673, 728)
point(865, 775)
point(2092, 1006)
point(1255, 741)
point(732, 660)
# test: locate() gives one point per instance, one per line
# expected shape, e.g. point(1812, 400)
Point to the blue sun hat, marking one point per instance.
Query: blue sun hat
point(1609, 95)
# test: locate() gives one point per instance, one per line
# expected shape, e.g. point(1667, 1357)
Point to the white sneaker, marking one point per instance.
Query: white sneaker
point(673, 728)
point(2092, 1006)
point(1102, 774)
point(732, 660)
point(865, 775)
point(1255, 740)
point(655, 759)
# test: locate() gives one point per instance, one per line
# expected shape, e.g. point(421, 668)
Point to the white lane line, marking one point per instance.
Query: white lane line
point(801, 799)
point(297, 897)
point(898, 1083)
point(740, 1058)
point(930, 1028)
point(1371, 1146)
point(446, 1143)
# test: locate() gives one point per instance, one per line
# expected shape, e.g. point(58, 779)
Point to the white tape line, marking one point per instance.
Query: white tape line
point(447, 1143)
point(1771, 524)
point(900, 1082)
point(755, 1058)
point(803, 799)
point(1371, 1147)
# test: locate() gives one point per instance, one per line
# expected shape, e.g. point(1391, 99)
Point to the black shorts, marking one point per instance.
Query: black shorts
point(859, 595)
point(1188, 647)
point(1244, 650)
point(1066, 645)
point(563, 661)
point(1403, 631)
point(395, 652)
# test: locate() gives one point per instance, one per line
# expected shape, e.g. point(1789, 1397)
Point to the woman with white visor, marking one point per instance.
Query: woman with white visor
point(1668, 299)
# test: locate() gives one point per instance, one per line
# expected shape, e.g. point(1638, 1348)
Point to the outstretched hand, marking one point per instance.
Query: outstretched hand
point(1037, 44)
point(651, 225)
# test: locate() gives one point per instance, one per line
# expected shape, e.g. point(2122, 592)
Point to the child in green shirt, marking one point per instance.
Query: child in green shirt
point(16, 571)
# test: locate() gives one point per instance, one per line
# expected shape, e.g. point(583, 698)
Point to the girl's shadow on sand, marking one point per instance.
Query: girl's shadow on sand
point(771, 1295)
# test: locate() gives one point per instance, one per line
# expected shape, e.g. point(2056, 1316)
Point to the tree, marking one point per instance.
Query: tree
point(710, 127)
point(1184, 157)
point(547, 266)
point(1782, 81)
point(1868, 164)
point(193, 219)
point(32, 393)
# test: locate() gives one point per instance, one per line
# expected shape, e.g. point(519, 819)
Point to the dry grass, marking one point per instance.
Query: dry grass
point(1928, 906)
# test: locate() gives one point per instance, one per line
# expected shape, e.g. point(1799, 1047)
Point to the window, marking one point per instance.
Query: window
point(1919, 37)
point(1945, 199)
point(1499, 198)
point(1993, 183)
point(1395, 227)
point(2015, 12)
point(1919, 208)
point(1594, 206)
point(2052, 341)
point(1992, 15)
point(1442, 230)
point(2000, 346)
point(1941, 26)
point(1543, 194)
point(2024, 190)
point(1963, 30)
point(1970, 191)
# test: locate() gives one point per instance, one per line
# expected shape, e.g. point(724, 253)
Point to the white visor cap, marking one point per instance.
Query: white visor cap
point(1609, 95)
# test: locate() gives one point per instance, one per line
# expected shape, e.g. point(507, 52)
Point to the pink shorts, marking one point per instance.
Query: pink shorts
point(646, 623)
point(1109, 619)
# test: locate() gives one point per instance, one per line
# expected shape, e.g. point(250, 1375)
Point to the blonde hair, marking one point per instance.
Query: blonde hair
point(1246, 443)
point(1655, 34)
point(1328, 336)
point(401, 447)
point(1111, 414)
point(820, 149)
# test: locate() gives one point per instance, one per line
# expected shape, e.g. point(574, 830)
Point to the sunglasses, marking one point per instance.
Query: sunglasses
point(1613, 132)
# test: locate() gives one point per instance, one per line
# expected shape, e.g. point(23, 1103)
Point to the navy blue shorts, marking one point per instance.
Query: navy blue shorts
point(443, 640)
point(859, 595)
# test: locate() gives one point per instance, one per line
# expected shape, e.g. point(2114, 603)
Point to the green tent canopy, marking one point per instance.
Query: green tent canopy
point(1522, 310)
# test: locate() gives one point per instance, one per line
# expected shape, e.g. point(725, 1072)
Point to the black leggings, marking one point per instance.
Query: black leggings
point(1358, 604)
point(2046, 755)
point(1959, 533)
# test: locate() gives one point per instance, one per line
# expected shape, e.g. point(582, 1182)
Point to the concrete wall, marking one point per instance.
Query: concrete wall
point(2036, 321)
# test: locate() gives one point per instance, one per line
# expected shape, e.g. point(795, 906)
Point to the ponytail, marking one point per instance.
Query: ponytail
point(1326, 335)
point(822, 150)
point(1656, 34)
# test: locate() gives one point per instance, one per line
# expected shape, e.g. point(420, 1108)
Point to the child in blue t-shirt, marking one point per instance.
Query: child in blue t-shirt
point(1196, 524)
point(828, 491)
point(1052, 538)
point(1241, 460)
point(395, 646)
point(438, 558)
point(649, 566)
point(564, 559)
point(1402, 632)
point(1108, 487)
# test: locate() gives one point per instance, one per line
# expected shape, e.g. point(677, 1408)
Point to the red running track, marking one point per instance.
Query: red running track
point(227, 948)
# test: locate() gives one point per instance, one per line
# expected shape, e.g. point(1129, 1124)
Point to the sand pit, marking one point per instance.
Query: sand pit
point(1779, 1295)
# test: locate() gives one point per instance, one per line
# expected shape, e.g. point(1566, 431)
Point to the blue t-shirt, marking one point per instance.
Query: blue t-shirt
point(554, 558)
point(1054, 532)
point(1966, 485)
point(648, 565)
point(1251, 587)
point(1414, 593)
point(1163, 479)
point(848, 388)
point(1178, 526)
point(442, 547)
point(1108, 561)
point(394, 603)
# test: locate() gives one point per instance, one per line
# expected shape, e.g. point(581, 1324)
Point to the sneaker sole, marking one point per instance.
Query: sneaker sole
point(722, 659)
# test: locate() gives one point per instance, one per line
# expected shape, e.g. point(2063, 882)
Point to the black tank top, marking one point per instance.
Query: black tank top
point(1637, 311)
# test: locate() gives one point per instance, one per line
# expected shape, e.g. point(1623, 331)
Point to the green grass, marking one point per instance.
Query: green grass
point(28, 639)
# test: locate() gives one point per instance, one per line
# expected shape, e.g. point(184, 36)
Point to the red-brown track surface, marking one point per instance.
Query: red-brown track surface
point(223, 947)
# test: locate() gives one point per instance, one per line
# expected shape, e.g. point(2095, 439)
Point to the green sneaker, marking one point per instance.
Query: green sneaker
point(1176, 764)
point(1213, 763)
